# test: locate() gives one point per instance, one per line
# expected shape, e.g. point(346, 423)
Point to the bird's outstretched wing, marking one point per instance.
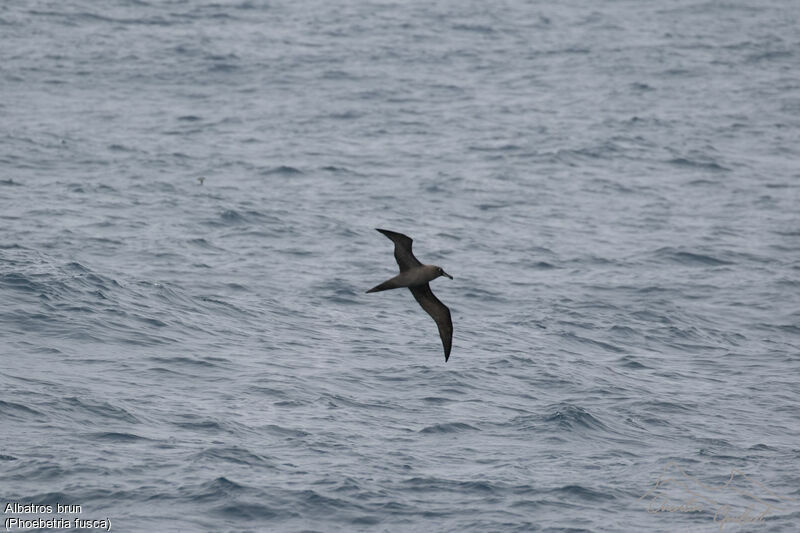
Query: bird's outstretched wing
point(402, 250)
point(439, 312)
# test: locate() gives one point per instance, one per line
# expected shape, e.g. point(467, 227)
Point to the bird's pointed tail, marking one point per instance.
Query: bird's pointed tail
point(385, 286)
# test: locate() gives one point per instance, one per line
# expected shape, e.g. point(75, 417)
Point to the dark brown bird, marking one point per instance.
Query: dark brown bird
point(416, 276)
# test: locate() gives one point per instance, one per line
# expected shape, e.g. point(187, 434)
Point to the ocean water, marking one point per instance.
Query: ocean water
point(614, 186)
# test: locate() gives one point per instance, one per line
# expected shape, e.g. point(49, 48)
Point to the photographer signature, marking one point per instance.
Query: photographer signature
point(694, 496)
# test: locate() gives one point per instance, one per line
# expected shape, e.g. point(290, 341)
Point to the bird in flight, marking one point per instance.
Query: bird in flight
point(416, 276)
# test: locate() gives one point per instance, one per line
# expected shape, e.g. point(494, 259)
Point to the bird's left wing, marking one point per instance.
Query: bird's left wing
point(402, 250)
point(439, 312)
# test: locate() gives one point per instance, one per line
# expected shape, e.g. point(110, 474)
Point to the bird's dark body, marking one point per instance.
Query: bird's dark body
point(416, 277)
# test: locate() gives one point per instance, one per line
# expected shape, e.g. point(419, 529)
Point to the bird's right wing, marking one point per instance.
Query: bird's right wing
point(402, 250)
point(439, 312)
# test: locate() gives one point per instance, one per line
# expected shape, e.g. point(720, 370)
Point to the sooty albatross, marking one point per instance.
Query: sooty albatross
point(416, 276)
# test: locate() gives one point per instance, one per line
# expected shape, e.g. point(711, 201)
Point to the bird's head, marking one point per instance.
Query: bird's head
point(440, 272)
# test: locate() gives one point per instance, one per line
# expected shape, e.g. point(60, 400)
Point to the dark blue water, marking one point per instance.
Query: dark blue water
point(613, 185)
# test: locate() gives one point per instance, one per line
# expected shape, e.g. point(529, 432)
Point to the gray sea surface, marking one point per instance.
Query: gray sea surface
point(615, 187)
